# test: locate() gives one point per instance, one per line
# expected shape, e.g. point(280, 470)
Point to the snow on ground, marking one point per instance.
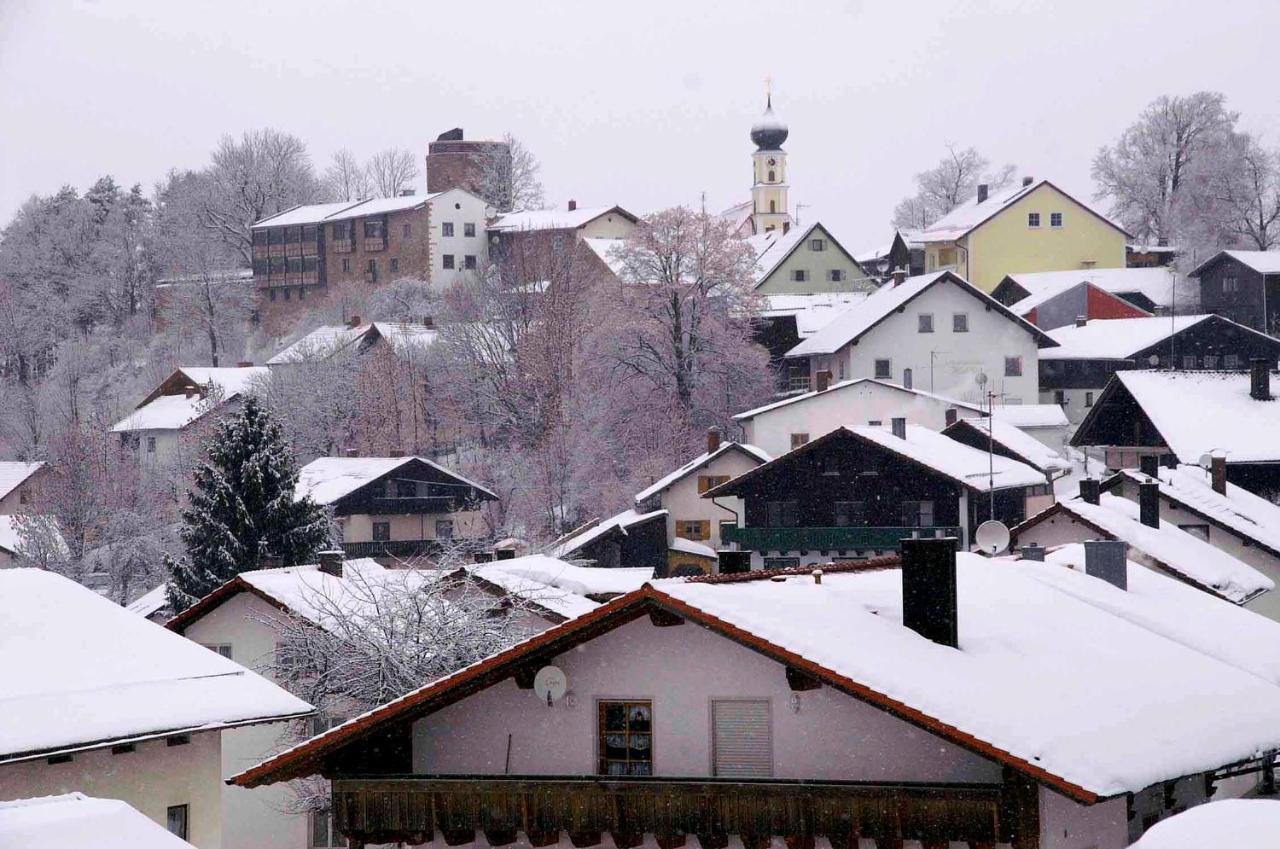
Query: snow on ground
point(74, 820)
point(1228, 824)
point(113, 676)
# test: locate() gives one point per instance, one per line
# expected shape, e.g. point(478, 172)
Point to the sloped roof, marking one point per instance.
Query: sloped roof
point(1030, 415)
point(1024, 446)
point(703, 459)
point(554, 219)
point(1182, 554)
point(570, 545)
point(1241, 823)
point(74, 819)
point(1001, 694)
point(14, 473)
point(321, 343)
point(971, 214)
point(851, 324)
point(604, 248)
point(580, 580)
point(773, 247)
point(1157, 284)
point(328, 479)
point(846, 384)
point(176, 411)
point(317, 213)
point(152, 601)
point(812, 312)
point(130, 680)
point(1117, 338)
point(1263, 262)
point(1034, 300)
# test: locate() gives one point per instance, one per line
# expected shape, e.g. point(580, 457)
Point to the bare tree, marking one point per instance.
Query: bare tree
point(509, 178)
point(948, 184)
point(1155, 171)
point(264, 172)
point(1248, 195)
point(392, 171)
point(346, 178)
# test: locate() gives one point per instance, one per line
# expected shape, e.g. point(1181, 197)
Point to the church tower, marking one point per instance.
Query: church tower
point(770, 210)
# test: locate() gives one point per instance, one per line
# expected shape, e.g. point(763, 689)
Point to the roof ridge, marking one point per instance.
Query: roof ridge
point(888, 561)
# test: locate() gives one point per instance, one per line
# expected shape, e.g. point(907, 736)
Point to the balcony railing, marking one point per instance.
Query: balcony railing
point(798, 383)
point(414, 809)
point(373, 243)
point(828, 539)
point(392, 548)
point(343, 246)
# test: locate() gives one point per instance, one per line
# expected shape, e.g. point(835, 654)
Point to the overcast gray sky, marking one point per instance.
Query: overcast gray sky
point(645, 104)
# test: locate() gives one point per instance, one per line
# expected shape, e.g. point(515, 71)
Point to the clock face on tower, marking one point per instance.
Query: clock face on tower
point(773, 162)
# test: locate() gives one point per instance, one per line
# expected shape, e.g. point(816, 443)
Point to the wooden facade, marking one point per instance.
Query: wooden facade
point(1231, 288)
point(416, 809)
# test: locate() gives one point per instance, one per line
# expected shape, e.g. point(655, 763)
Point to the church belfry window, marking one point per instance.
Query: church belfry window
point(772, 179)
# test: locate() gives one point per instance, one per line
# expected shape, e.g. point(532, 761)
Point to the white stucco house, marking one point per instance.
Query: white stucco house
point(98, 700)
point(929, 687)
point(936, 332)
point(74, 819)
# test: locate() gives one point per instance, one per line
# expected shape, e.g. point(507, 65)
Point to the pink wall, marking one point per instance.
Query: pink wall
point(833, 736)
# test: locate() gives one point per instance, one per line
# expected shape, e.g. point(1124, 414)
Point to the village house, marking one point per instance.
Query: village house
point(630, 540)
point(1046, 422)
point(787, 424)
point(1189, 416)
point(1000, 437)
point(1034, 226)
point(396, 507)
point(805, 260)
point(936, 332)
point(1090, 292)
point(1244, 286)
point(118, 708)
point(1073, 374)
point(1153, 542)
point(74, 819)
point(934, 708)
point(20, 485)
point(531, 249)
point(784, 320)
point(246, 619)
point(302, 252)
point(905, 251)
point(166, 427)
point(355, 338)
point(857, 492)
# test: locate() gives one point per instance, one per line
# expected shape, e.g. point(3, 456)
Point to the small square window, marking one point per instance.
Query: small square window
point(447, 260)
point(1013, 366)
point(799, 275)
point(468, 229)
point(924, 322)
point(302, 293)
point(1055, 219)
point(381, 531)
point(1229, 285)
point(817, 244)
point(798, 439)
point(1033, 219)
point(960, 322)
point(446, 228)
point(884, 369)
point(469, 262)
point(835, 275)
point(176, 820)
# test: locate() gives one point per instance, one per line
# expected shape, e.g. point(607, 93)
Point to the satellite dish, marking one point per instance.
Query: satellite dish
point(980, 378)
point(1206, 461)
point(992, 537)
point(550, 684)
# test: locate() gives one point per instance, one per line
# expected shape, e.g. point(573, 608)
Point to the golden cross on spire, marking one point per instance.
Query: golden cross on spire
point(768, 85)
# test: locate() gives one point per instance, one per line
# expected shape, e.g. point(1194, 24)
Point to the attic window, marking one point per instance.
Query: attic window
point(1033, 219)
point(835, 275)
point(1055, 220)
point(817, 244)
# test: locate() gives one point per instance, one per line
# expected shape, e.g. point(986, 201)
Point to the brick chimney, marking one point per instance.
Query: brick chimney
point(354, 321)
point(331, 562)
point(713, 440)
point(1090, 491)
point(929, 589)
point(573, 205)
point(1026, 181)
point(1149, 503)
point(1105, 559)
point(898, 426)
point(1218, 473)
point(982, 192)
point(1260, 379)
point(822, 381)
point(899, 276)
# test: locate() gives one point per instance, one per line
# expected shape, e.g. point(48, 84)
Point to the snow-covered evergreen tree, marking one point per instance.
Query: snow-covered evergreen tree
point(242, 508)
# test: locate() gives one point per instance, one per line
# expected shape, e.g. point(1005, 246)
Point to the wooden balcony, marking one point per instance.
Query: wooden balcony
point(344, 246)
point(392, 548)
point(829, 539)
point(414, 808)
point(375, 244)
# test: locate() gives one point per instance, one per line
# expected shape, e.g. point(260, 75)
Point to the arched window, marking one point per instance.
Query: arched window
point(772, 179)
point(773, 206)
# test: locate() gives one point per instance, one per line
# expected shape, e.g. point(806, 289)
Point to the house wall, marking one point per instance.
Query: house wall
point(458, 208)
point(1065, 824)
point(845, 407)
point(411, 526)
point(1245, 305)
point(683, 502)
point(818, 264)
point(1006, 245)
point(1081, 300)
point(609, 226)
point(945, 362)
point(152, 778)
point(257, 817)
point(832, 736)
point(28, 492)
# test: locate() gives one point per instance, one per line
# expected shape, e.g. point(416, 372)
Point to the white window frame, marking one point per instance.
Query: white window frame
point(1058, 224)
point(1033, 221)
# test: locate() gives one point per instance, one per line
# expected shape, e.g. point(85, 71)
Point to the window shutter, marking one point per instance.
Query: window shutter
point(742, 738)
point(704, 529)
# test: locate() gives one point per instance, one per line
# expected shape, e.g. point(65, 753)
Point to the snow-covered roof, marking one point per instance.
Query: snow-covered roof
point(554, 219)
point(522, 583)
point(1116, 338)
point(1234, 823)
point(1034, 300)
point(698, 462)
point(1019, 442)
point(327, 479)
point(311, 213)
point(320, 344)
point(1157, 284)
point(1031, 415)
point(77, 820)
point(567, 547)
point(1182, 553)
point(773, 246)
point(1199, 412)
point(407, 337)
point(739, 214)
point(173, 412)
point(113, 676)
point(1263, 262)
point(1106, 728)
point(317, 213)
point(582, 580)
point(604, 248)
point(688, 546)
point(845, 384)
point(958, 461)
point(380, 206)
point(812, 312)
point(968, 215)
point(151, 602)
point(1246, 514)
point(14, 473)
point(879, 305)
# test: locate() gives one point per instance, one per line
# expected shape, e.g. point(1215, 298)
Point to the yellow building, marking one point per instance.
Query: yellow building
point(1031, 227)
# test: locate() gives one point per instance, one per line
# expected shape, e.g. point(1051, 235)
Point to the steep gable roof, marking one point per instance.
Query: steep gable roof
point(972, 214)
point(1263, 262)
point(701, 461)
point(773, 247)
point(1024, 448)
point(858, 320)
point(1155, 284)
point(1119, 338)
point(184, 396)
point(846, 384)
point(329, 479)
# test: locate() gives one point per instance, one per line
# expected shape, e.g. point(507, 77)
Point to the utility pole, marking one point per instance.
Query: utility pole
point(991, 454)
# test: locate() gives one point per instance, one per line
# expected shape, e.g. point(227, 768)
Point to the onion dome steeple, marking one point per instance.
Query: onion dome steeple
point(769, 132)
